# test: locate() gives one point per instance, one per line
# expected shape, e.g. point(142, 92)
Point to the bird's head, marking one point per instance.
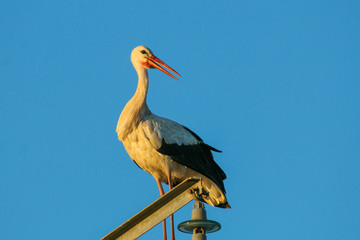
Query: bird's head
point(143, 57)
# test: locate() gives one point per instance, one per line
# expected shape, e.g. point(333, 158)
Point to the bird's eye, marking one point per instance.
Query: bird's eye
point(143, 52)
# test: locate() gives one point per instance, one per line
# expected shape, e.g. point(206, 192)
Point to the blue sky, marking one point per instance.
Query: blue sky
point(274, 84)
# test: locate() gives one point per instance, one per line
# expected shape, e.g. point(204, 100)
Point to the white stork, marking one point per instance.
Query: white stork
point(167, 150)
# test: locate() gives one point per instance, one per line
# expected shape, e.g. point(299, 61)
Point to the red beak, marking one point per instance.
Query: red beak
point(155, 62)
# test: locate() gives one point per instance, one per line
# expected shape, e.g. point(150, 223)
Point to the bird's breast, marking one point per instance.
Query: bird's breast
point(145, 155)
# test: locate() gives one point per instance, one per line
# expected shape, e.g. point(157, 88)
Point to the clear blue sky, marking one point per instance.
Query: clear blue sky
point(274, 84)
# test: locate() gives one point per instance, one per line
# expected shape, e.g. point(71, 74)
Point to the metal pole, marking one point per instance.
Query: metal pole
point(156, 212)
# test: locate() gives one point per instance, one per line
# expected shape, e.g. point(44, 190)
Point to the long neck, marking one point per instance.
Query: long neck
point(139, 97)
point(136, 109)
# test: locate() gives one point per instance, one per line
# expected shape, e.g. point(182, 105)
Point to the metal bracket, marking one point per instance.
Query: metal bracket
point(157, 211)
point(198, 193)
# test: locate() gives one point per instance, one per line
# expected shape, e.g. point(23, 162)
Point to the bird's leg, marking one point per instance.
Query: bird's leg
point(161, 190)
point(172, 215)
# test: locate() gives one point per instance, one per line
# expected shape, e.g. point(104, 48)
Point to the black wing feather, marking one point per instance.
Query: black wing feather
point(197, 157)
point(199, 139)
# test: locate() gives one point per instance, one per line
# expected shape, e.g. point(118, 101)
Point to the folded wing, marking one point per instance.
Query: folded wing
point(184, 147)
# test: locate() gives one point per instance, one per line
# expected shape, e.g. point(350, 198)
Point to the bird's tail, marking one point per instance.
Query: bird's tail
point(213, 195)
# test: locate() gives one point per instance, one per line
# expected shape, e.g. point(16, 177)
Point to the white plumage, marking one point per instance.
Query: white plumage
point(167, 150)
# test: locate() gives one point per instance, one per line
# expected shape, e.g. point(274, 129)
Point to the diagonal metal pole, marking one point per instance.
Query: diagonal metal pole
point(155, 212)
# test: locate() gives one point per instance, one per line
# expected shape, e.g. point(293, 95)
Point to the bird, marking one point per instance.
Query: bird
point(167, 150)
